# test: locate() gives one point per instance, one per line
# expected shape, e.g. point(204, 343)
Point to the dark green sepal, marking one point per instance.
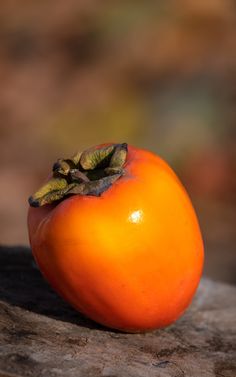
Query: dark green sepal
point(89, 173)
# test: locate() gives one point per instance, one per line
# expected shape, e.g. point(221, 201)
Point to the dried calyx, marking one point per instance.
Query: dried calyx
point(88, 173)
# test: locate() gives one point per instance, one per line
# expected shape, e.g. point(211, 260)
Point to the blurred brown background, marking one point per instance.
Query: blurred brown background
point(157, 74)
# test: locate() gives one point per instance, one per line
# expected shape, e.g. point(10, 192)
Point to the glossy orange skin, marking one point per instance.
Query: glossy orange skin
point(130, 259)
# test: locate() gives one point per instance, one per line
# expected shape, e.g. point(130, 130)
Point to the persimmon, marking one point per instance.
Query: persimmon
point(115, 234)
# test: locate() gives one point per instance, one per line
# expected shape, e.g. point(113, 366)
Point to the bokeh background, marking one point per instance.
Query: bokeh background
point(157, 74)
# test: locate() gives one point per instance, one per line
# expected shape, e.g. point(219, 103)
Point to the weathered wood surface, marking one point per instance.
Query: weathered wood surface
point(40, 335)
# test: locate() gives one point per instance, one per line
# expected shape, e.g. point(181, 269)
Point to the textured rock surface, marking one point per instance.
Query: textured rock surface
point(40, 335)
